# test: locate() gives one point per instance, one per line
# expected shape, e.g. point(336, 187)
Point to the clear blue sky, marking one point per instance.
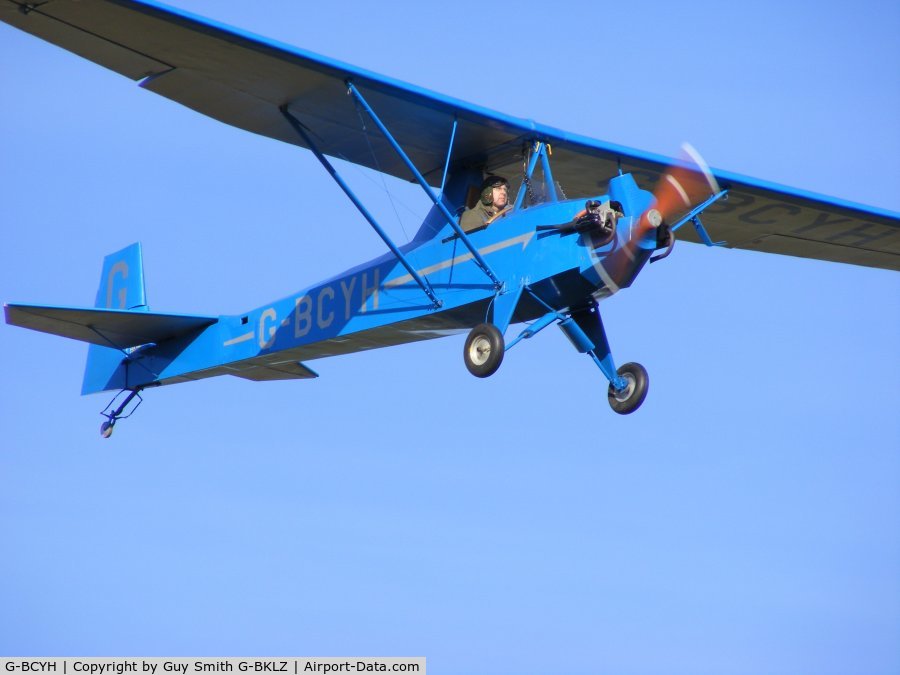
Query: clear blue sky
point(745, 520)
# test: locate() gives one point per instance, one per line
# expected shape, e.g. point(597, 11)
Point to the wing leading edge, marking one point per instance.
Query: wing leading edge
point(242, 79)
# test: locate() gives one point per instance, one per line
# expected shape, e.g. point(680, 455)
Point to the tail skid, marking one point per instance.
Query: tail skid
point(118, 325)
point(107, 427)
point(131, 348)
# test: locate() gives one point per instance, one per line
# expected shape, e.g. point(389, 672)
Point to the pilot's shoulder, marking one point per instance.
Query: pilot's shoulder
point(473, 217)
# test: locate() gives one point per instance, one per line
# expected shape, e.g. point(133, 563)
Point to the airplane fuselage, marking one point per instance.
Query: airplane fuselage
point(377, 304)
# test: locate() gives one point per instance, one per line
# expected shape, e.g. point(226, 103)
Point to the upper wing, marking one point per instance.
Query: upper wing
point(242, 80)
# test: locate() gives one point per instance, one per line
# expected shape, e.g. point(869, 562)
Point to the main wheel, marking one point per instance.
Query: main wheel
point(106, 429)
point(484, 348)
point(636, 384)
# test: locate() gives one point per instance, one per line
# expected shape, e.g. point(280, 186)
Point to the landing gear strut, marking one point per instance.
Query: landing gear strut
point(106, 428)
point(627, 385)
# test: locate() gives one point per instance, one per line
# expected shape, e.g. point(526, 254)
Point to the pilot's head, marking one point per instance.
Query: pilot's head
point(495, 192)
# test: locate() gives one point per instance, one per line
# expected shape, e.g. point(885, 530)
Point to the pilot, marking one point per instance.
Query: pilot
point(494, 200)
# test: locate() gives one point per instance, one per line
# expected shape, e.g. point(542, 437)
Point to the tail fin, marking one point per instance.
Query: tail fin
point(121, 287)
point(122, 281)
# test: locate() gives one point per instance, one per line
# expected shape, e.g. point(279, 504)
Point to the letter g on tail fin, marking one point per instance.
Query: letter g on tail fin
point(122, 281)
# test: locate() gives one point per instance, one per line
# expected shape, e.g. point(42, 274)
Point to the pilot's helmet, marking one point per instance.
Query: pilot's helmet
point(487, 187)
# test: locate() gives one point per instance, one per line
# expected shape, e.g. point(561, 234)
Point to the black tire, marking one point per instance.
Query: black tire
point(483, 352)
point(630, 400)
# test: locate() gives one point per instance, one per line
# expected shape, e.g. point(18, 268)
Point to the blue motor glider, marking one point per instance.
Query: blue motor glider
point(578, 229)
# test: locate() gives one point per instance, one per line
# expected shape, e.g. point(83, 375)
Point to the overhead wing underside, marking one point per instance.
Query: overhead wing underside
point(242, 80)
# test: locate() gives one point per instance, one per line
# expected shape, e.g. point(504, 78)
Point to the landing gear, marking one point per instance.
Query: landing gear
point(484, 349)
point(583, 326)
point(106, 428)
point(629, 398)
point(627, 385)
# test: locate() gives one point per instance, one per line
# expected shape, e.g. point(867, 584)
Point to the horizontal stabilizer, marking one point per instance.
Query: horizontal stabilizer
point(105, 327)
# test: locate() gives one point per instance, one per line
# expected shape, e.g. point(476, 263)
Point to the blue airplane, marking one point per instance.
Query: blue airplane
point(577, 228)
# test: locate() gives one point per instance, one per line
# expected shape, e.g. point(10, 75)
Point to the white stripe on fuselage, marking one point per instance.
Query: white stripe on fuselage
point(239, 339)
point(523, 239)
point(323, 320)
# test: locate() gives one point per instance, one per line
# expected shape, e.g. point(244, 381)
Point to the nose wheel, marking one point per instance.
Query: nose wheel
point(634, 383)
point(483, 352)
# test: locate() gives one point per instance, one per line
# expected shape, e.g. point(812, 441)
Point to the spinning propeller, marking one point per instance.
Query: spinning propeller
point(684, 184)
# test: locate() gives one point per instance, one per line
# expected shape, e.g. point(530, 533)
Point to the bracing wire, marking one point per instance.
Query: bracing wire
point(380, 172)
point(365, 174)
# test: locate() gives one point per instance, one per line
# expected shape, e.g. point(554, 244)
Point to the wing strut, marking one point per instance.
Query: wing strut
point(427, 188)
point(449, 152)
point(539, 152)
point(694, 217)
point(423, 283)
